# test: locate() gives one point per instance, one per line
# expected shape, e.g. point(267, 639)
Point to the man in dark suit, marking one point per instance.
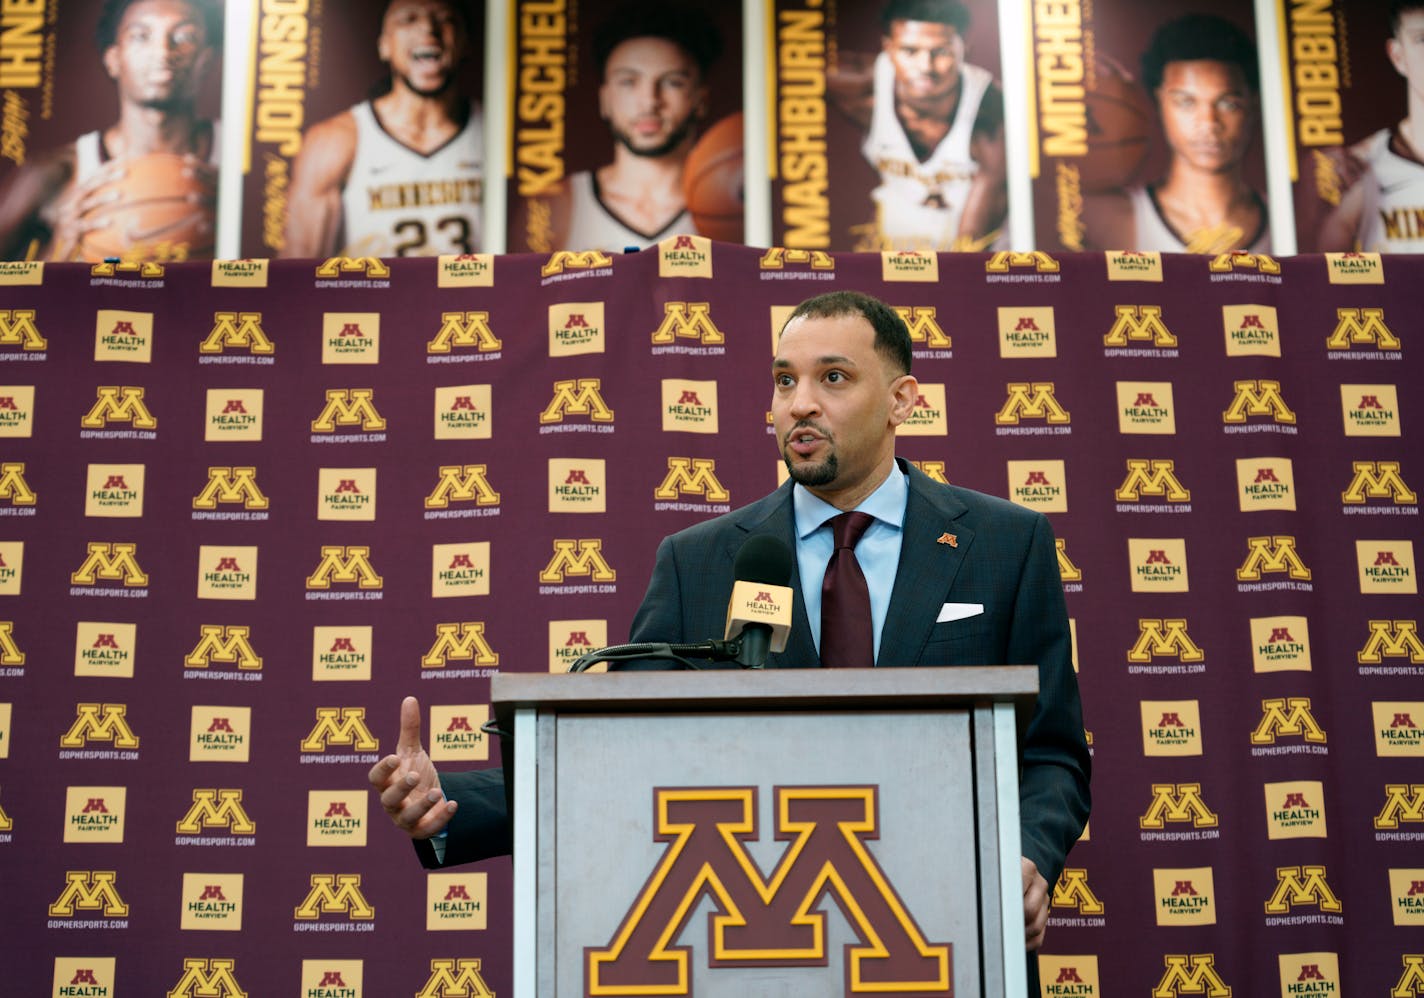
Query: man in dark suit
point(952, 577)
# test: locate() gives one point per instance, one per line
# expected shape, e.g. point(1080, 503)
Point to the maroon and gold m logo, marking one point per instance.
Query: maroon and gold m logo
point(1145, 399)
point(338, 809)
point(688, 397)
point(213, 891)
point(1295, 800)
point(457, 892)
point(84, 975)
point(331, 979)
point(767, 922)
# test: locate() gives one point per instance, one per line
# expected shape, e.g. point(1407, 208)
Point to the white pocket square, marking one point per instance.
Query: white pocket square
point(958, 611)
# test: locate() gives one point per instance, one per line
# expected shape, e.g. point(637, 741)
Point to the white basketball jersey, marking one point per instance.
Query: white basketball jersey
point(1393, 220)
point(1155, 235)
point(593, 227)
point(89, 153)
point(919, 205)
point(398, 202)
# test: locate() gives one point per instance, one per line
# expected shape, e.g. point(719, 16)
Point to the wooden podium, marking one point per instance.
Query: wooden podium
point(771, 833)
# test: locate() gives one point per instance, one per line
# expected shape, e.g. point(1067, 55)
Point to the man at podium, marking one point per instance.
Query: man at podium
point(890, 568)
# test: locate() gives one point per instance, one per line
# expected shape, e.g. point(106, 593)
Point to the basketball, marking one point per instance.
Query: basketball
point(160, 207)
point(712, 181)
point(1122, 124)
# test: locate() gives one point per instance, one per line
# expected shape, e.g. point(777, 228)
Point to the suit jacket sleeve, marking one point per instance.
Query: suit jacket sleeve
point(1053, 790)
point(481, 826)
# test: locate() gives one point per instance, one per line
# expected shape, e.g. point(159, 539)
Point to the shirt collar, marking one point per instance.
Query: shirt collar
point(886, 504)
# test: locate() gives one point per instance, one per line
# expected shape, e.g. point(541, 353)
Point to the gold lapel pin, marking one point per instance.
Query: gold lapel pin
point(948, 538)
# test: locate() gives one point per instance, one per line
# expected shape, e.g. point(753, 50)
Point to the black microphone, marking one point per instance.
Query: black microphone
point(759, 611)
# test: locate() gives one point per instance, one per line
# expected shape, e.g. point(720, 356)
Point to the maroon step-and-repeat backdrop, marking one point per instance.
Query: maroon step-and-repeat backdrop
point(246, 507)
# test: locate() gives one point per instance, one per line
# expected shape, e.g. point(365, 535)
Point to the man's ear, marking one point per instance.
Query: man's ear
point(904, 392)
point(111, 61)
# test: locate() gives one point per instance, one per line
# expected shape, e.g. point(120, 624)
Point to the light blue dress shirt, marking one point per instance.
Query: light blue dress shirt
point(878, 551)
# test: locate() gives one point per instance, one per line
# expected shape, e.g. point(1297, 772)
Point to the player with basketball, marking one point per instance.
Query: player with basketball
point(1201, 70)
point(934, 131)
point(1380, 210)
point(653, 59)
point(401, 174)
point(145, 187)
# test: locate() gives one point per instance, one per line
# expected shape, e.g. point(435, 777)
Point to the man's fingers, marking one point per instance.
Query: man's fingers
point(434, 820)
point(409, 742)
point(381, 772)
point(398, 792)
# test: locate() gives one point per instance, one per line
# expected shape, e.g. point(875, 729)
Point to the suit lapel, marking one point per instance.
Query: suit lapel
point(929, 562)
point(773, 516)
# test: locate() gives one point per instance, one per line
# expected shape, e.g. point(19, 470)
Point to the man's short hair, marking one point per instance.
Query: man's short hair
point(1199, 36)
point(106, 32)
point(951, 12)
point(457, 7)
point(686, 26)
point(1397, 10)
point(892, 336)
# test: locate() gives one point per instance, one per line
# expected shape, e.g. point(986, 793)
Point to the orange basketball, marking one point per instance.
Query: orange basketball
point(160, 207)
point(1122, 122)
point(712, 181)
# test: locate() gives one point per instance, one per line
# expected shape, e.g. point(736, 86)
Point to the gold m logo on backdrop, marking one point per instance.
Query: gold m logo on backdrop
point(689, 320)
point(1001, 262)
point(366, 266)
point(1031, 401)
point(13, 485)
point(577, 398)
point(231, 485)
point(1270, 555)
point(99, 723)
point(89, 891)
point(1067, 571)
point(340, 726)
point(223, 643)
point(110, 562)
point(1301, 885)
point(1411, 982)
point(1378, 480)
point(1177, 802)
point(204, 977)
point(1403, 802)
point(1225, 263)
point(346, 564)
point(767, 921)
point(142, 269)
point(18, 329)
point(776, 257)
point(237, 329)
point(335, 894)
point(1154, 478)
point(692, 476)
point(461, 642)
point(1287, 716)
point(215, 808)
point(455, 979)
point(116, 404)
point(348, 407)
point(1072, 891)
point(1360, 326)
point(1258, 397)
point(1139, 322)
point(1165, 638)
point(462, 483)
point(577, 557)
point(920, 320)
point(464, 329)
point(1193, 974)
point(1392, 638)
point(575, 260)
point(10, 653)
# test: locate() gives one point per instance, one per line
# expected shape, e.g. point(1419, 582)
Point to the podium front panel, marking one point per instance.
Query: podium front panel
point(667, 822)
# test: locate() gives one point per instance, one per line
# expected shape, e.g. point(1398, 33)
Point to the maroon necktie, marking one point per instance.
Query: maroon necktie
point(847, 634)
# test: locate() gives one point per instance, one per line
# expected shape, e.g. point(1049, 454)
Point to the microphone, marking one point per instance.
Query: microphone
point(759, 611)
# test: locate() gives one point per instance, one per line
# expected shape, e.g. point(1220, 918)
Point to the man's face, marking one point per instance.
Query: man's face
point(1406, 50)
point(1208, 113)
point(652, 95)
point(159, 53)
point(836, 403)
point(926, 56)
point(424, 41)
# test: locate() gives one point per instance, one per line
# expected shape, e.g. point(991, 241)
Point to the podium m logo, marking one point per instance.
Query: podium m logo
point(768, 923)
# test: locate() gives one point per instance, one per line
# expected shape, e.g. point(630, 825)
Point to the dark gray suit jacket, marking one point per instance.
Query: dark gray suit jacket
point(1003, 556)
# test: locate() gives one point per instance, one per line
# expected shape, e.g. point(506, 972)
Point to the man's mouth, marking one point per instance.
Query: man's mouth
point(427, 56)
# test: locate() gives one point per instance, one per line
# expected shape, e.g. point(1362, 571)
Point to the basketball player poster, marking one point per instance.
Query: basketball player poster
point(887, 126)
point(110, 137)
point(367, 130)
point(1145, 129)
point(1355, 120)
point(626, 124)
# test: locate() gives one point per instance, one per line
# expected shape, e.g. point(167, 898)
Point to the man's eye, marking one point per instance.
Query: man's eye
point(835, 377)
